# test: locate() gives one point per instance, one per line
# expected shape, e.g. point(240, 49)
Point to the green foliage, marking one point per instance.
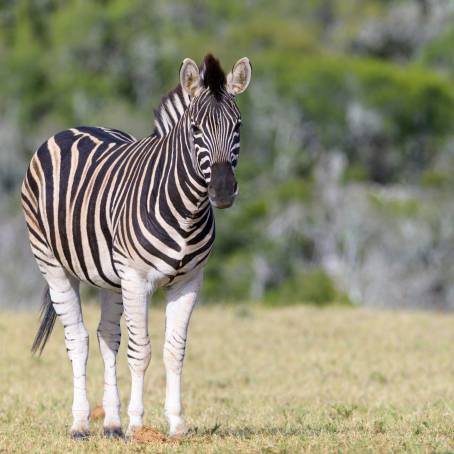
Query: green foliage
point(312, 286)
point(109, 62)
point(437, 179)
point(395, 208)
point(415, 107)
point(293, 190)
point(236, 269)
point(438, 52)
point(355, 172)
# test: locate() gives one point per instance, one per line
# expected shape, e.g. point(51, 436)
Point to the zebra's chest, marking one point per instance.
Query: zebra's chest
point(160, 263)
point(162, 244)
point(190, 257)
point(186, 266)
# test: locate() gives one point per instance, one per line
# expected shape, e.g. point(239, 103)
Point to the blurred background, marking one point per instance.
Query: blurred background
point(347, 163)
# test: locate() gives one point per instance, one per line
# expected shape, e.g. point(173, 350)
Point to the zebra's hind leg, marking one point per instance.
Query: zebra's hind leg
point(64, 293)
point(109, 336)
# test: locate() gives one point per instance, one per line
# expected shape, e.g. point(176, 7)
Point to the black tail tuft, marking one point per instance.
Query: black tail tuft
point(47, 316)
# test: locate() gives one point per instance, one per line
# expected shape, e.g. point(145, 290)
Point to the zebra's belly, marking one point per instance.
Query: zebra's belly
point(100, 268)
point(89, 256)
point(95, 269)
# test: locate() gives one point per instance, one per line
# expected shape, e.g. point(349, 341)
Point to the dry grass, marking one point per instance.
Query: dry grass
point(284, 380)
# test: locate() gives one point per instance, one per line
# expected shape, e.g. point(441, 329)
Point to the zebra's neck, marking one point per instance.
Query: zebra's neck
point(176, 188)
point(170, 110)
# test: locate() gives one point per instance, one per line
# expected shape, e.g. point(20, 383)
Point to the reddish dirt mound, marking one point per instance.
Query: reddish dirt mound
point(147, 435)
point(97, 413)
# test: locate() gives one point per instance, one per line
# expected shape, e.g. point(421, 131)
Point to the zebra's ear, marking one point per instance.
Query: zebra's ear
point(238, 79)
point(190, 77)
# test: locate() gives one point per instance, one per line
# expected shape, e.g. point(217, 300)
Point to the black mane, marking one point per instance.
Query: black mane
point(213, 76)
point(163, 118)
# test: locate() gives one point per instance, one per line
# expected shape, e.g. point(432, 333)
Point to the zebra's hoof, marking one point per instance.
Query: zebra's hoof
point(79, 435)
point(179, 431)
point(113, 432)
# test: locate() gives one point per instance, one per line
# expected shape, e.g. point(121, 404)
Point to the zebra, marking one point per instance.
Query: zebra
point(129, 216)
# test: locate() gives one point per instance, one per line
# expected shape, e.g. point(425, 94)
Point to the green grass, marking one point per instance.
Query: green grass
point(296, 379)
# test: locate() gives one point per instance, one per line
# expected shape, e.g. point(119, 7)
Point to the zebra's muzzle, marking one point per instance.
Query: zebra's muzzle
point(223, 187)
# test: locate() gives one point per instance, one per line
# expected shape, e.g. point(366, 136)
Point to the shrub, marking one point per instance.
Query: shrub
point(313, 286)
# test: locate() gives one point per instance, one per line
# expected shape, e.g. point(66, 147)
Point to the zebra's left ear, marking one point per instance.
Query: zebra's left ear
point(190, 77)
point(238, 79)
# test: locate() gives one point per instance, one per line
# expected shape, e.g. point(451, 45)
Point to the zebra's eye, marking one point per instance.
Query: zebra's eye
point(195, 129)
point(237, 127)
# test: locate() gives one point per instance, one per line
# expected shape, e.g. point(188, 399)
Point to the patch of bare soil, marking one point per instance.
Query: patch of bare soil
point(97, 413)
point(148, 435)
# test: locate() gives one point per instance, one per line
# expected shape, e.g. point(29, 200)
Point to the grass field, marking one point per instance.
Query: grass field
point(291, 380)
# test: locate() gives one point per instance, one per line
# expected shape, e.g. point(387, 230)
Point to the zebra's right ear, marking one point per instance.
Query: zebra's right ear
point(190, 77)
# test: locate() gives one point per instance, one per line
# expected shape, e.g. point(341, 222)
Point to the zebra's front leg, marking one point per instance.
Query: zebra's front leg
point(109, 337)
point(181, 299)
point(64, 294)
point(134, 289)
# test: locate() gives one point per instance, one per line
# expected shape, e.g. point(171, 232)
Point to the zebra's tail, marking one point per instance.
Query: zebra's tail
point(47, 316)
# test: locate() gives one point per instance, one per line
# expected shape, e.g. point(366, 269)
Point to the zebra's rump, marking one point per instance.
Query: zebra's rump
point(65, 190)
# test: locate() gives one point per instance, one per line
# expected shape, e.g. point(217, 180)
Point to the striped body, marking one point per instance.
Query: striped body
point(129, 216)
point(97, 201)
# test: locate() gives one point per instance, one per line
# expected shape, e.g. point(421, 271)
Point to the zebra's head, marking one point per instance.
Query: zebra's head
point(215, 122)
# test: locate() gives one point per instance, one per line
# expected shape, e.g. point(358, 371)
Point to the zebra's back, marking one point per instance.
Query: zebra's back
point(67, 202)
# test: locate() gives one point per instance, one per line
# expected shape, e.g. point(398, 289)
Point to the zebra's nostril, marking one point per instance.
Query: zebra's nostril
point(211, 191)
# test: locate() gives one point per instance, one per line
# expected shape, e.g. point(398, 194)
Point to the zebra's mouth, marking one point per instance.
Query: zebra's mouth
point(222, 203)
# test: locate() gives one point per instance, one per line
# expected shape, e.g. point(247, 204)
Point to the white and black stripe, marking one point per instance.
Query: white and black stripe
point(130, 215)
